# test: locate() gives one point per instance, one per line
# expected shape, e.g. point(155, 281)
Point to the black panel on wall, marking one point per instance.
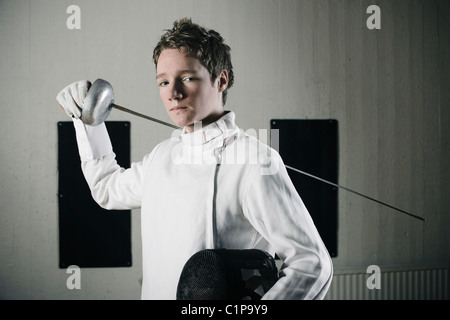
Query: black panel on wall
point(312, 146)
point(90, 236)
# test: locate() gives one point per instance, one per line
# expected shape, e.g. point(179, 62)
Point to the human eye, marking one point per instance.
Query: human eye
point(163, 83)
point(189, 79)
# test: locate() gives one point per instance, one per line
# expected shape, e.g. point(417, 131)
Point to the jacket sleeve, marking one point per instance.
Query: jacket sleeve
point(276, 211)
point(112, 187)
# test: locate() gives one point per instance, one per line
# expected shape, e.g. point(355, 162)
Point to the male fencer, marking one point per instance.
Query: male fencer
point(212, 186)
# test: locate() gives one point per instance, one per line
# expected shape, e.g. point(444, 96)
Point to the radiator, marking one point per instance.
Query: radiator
point(395, 283)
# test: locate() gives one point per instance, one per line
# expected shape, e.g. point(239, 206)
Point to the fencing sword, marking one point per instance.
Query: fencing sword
point(99, 102)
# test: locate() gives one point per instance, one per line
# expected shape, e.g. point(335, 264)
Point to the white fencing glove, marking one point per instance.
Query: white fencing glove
point(72, 97)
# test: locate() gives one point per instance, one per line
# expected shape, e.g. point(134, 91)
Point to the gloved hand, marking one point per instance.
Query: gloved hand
point(72, 97)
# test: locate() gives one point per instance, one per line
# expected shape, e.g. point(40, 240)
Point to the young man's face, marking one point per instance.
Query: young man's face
point(186, 89)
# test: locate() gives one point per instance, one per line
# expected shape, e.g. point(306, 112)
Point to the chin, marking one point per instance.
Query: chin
point(181, 122)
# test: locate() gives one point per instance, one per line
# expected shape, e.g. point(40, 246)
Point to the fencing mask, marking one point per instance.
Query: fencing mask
point(224, 274)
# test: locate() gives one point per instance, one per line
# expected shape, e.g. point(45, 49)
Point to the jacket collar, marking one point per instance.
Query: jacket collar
point(219, 130)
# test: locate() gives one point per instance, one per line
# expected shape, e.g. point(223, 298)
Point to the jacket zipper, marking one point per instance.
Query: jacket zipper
point(218, 156)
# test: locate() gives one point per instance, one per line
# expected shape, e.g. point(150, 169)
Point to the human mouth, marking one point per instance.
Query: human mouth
point(177, 108)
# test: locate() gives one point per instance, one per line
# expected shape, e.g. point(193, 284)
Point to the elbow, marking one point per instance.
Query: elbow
point(327, 267)
point(101, 197)
point(325, 276)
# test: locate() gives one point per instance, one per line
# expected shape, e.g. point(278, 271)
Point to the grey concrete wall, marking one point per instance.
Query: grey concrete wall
point(388, 88)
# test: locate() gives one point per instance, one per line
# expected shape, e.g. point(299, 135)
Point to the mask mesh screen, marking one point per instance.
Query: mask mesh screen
point(222, 274)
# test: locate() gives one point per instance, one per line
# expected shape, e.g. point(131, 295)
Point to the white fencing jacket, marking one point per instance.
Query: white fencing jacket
point(217, 187)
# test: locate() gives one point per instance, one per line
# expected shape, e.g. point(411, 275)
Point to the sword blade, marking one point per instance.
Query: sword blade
point(355, 192)
point(115, 106)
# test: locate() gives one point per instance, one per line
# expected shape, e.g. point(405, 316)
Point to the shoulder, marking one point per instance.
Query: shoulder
point(255, 151)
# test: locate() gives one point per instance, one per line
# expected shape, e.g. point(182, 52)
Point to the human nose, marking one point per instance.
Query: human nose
point(176, 93)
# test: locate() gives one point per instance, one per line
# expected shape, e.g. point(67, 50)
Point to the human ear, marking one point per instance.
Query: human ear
point(222, 80)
